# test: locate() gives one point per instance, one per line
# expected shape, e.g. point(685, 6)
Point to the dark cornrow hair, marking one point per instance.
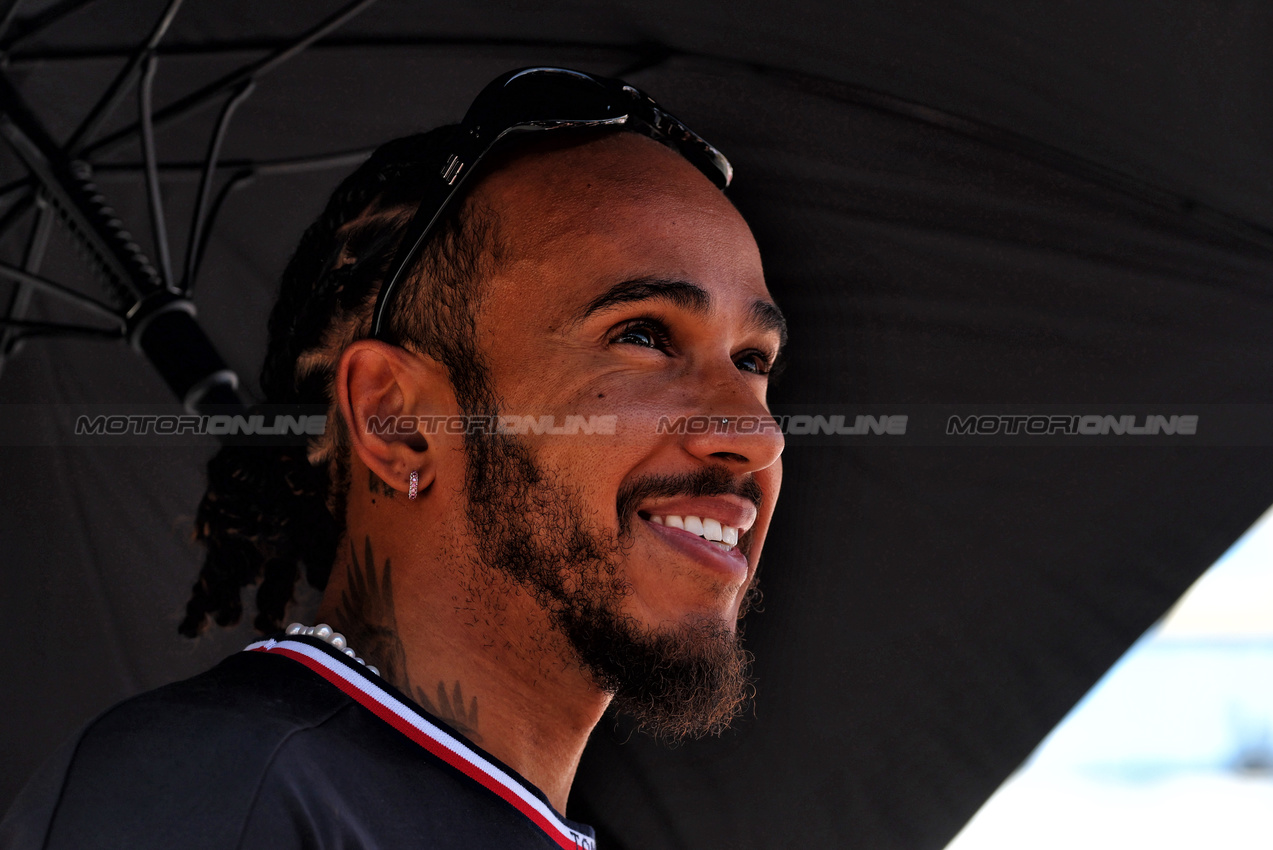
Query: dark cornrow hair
point(268, 511)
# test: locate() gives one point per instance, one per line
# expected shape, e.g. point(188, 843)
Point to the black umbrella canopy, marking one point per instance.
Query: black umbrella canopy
point(959, 209)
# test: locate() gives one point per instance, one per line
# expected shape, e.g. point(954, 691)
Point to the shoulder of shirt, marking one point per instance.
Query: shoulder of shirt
point(247, 690)
point(195, 750)
point(242, 710)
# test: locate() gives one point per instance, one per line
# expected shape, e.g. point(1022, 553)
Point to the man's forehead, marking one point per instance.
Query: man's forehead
point(609, 156)
point(550, 187)
point(619, 218)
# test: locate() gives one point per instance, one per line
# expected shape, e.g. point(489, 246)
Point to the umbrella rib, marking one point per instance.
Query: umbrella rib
point(261, 167)
point(29, 279)
point(8, 10)
point(126, 270)
point(239, 180)
point(106, 105)
point(198, 222)
point(201, 98)
point(652, 55)
point(158, 224)
point(1062, 160)
point(32, 257)
point(14, 187)
point(305, 164)
point(19, 208)
point(231, 47)
point(41, 21)
point(26, 329)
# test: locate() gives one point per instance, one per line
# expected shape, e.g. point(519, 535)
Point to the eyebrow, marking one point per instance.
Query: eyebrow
point(765, 315)
point(679, 293)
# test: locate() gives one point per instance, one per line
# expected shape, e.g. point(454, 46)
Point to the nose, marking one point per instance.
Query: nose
point(734, 427)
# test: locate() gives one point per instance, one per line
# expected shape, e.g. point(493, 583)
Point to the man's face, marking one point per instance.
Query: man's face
point(631, 289)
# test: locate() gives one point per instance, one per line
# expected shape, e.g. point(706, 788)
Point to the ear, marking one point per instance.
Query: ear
point(382, 390)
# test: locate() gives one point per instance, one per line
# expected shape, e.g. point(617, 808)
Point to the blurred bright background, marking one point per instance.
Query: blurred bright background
point(1174, 747)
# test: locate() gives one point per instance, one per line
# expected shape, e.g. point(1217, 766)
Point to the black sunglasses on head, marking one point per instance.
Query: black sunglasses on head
point(531, 100)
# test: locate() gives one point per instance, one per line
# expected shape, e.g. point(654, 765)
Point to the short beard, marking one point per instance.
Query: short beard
point(689, 681)
point(677, 683)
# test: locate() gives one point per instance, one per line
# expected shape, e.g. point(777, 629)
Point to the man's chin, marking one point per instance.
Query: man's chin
point(685, 682)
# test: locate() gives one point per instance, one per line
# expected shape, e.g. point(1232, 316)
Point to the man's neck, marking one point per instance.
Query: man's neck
point(481, 658)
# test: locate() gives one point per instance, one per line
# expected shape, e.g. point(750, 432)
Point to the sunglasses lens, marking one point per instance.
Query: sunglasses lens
point(544, 96)
point(549, 95)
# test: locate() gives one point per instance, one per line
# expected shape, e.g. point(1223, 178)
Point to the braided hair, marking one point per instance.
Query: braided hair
point(270, 511)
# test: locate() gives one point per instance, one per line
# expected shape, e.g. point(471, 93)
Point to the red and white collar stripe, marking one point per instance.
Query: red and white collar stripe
point(360, 685)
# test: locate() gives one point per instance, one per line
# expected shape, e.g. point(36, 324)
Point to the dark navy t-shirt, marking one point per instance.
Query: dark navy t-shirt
point(288, 745)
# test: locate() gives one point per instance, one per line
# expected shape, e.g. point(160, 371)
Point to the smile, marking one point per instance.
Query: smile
point(726, 536)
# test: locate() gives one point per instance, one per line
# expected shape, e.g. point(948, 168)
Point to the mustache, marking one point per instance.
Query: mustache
point(708, 481)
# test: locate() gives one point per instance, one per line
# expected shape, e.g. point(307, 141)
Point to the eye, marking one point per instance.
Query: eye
point(756, 362)
point(647, 333)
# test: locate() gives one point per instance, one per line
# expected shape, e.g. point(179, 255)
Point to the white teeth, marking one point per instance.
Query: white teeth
point(712, 530)
point(707, 528)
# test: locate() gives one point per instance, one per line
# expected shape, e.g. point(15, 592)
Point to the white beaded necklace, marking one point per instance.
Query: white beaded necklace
point(328, 635)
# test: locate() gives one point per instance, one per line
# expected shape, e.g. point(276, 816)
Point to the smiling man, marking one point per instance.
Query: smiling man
point(488, 594)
